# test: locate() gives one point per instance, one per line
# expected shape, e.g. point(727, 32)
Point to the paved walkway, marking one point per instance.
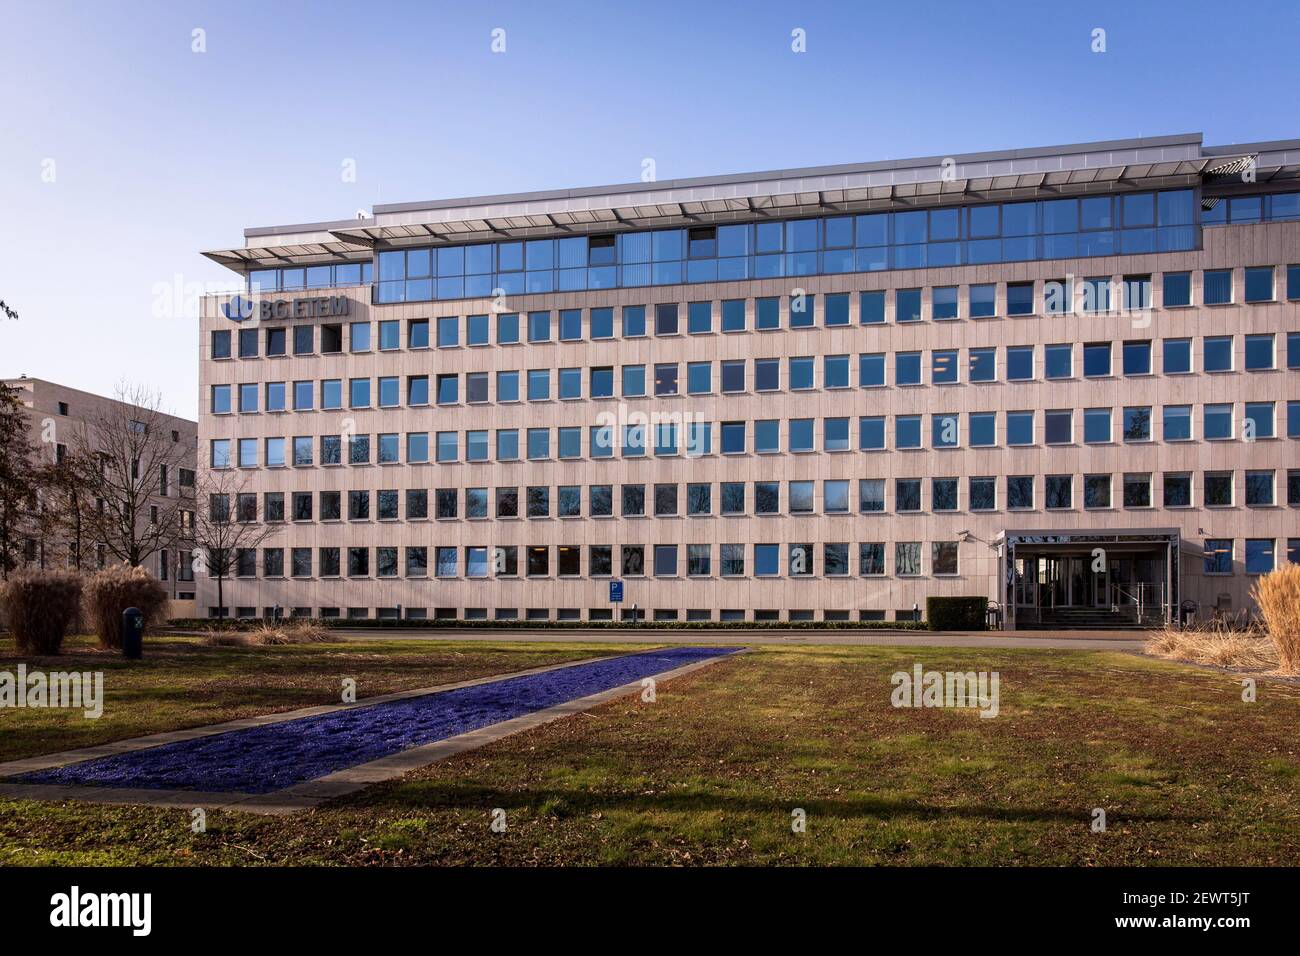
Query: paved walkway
point(1069, 640)
point(286, 762)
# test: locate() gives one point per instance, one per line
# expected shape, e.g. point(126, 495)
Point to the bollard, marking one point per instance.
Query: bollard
point(132, 633)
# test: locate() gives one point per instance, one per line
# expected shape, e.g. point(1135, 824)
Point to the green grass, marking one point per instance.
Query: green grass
point(182, 682)
point(711, 772)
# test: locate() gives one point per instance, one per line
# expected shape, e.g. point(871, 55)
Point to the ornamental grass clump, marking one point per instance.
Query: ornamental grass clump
point(40, 607)
point(106, 594)
point(1278, 596)
point(1217, 643)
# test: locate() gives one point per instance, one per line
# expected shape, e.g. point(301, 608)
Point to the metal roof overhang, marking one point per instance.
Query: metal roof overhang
point(267, 257)
point(1065, 182)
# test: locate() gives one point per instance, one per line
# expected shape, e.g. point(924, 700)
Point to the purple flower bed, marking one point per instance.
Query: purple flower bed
point(263, 759)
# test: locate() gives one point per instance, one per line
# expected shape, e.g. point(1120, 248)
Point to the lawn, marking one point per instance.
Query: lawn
point(711, 772)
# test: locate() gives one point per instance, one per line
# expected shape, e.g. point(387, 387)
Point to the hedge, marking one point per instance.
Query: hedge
point(229, 624)
point(956, 613)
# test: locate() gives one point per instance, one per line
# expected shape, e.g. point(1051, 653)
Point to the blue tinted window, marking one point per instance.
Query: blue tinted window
point(1096, 360)
point(733, 438)
point(570, 383)
point(539, 326)
point(1020, 363)
point(1218, 353)
point(602, 323)
point(871, 369)
point(801, 434)
point(872, 307)
point(1020, 428)
point(1217, 287)
point(1177, 356)
point(983, 301)
point(801, 373)
point(983, 428)
point(983, 365)
point(1137, 358)
point(908, 368)
point(871, 433)
point(835, 371)
point(907, 305)
point(1178, 289)
point(943, 366)
point(907, 431)
point(1058, 361)
point(633, 321)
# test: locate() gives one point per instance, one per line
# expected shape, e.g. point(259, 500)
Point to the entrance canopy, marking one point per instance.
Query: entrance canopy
point(1088, 578)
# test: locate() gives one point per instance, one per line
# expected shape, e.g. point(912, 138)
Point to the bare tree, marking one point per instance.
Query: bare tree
point(18, 480)
point(67, 498)
point(225, 524)
point(130, 455)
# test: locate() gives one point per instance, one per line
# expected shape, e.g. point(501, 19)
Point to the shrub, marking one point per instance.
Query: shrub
point(108, 593)
point(956, 613)
point(40, 607)
point(1278, 596)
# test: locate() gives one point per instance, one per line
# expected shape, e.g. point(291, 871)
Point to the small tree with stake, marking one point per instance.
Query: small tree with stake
point(220, 531)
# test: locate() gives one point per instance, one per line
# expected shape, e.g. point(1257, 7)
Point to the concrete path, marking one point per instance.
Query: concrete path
point(307, 793)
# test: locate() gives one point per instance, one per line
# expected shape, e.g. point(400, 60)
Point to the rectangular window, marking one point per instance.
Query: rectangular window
point(1177, 356)
point(943, 302)
point(1217, 287)
point(983, 301)
point(1259, 284)
point(983, 365)
point(871, 370)
point(907, 305)
point(871, 307)
point(1020, 298)
point(1177, 289)
point(983, 494)
point(1259, 353)
point(1178, 489)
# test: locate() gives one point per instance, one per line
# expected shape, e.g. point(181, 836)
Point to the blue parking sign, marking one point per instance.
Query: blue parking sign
point(615, 592)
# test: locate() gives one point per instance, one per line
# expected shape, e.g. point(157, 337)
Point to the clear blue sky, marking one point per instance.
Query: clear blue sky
point(159, 152)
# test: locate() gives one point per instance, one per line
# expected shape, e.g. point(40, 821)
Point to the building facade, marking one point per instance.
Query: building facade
point(63, 420)
point(1066, 379)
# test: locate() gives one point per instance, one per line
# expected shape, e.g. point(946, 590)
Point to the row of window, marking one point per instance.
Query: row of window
point(1058, 297)
point(1018, 364)
point(626, 613)
point(765, 436)
point(999, 232)
point(662, 500)
point(801, 560)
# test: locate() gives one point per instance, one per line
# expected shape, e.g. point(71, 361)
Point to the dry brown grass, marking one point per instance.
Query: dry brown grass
point(1219, 644)
point(107, 593)
point(40, 608)
point(275, 634)
point(1278, 596)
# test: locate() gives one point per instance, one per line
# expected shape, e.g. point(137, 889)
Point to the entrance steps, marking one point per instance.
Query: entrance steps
point(1084, 619)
